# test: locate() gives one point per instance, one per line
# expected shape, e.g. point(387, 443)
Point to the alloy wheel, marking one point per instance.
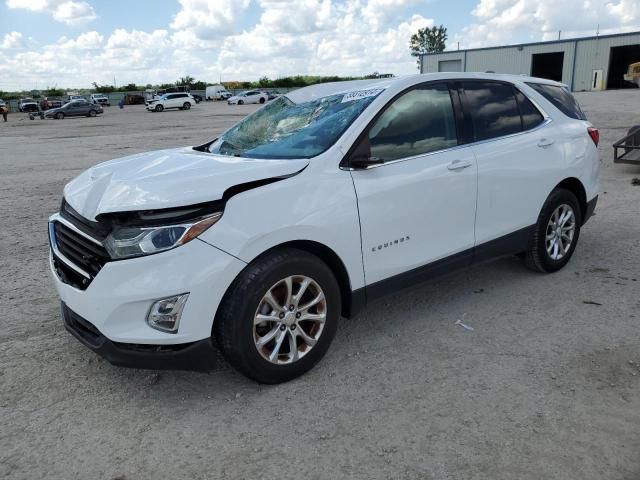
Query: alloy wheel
point(560, 232)
point(289, 319)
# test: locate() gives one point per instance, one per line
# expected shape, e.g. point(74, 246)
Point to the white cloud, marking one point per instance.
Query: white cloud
point(86, 41)
point(66, 11)
point(322, 37)
point(209, 18)
point(12, 40)
point(512, 21)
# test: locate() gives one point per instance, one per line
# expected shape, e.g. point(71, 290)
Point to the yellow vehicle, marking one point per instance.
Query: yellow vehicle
point(633, 74)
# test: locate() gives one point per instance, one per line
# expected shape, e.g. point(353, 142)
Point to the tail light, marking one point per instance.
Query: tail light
point(594, 134)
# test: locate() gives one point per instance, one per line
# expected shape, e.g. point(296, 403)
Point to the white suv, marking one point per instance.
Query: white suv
point(324, 200)
point(181, 101)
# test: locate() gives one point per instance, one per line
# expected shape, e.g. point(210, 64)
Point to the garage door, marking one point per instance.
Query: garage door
point(450, 66)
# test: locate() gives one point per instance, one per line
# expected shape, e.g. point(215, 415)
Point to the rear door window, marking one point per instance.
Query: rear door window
point(493, 109)
point(561, 98)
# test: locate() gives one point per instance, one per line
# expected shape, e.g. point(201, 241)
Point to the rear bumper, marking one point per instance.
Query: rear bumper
point(591, 207)
point(196, 356)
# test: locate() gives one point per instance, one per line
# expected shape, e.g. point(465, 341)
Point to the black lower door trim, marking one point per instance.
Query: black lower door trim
point(419, 275)
point(510, 244)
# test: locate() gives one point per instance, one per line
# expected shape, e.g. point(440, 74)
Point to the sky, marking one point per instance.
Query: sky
point(73, 43)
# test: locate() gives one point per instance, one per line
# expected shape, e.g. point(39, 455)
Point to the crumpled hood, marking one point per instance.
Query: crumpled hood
point(165, 179)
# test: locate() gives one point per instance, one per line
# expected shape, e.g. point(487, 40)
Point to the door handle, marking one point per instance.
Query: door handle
point(459, 164)
point(545, 142)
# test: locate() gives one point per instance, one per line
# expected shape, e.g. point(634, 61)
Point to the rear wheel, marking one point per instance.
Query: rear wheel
point(59, 116)
point(186, 106)
point(556, 233)
point(279, 316)
point(159, 108)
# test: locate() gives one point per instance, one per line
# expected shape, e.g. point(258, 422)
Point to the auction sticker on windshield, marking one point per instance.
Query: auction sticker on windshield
point(372, 92)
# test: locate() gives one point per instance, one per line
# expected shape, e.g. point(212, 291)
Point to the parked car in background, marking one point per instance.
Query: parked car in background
point(216, 92)
point(99, 99)
point(272, 95)
point(197, 98)
point(2, 103)
point(325, 199)
point(71, 98)
point(75, 108)
point(181, 101)
point(252, 96)
point(51, 102)
point(27, 105)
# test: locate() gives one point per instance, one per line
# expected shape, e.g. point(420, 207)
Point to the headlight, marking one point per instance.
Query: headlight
point(126, 242)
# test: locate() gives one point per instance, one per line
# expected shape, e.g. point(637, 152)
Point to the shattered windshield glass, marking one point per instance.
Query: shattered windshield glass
point(283, 129)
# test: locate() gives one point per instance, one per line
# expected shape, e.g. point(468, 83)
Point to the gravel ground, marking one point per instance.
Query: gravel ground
point(547, 385)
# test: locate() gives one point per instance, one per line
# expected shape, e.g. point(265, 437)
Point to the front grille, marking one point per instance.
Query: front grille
point(84, 253)
point(77, 259)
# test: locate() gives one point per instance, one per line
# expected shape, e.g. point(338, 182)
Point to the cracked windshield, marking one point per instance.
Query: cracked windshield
point(284, 129)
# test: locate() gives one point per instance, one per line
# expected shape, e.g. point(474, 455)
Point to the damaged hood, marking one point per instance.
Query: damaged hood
point(166, 179)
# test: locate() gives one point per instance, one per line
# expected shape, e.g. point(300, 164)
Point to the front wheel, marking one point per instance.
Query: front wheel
point(159, 108)
point(262, 100)
point(556, 233)
point(59, 116)
point(186, 106)
point(240, 102)
point(279, 317)
point(92, 113)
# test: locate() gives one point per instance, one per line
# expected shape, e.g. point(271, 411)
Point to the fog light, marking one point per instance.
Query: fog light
point(165, 314)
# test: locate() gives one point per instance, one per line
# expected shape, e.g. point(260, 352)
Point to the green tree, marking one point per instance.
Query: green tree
point(428, 40)
point(264, 82)
point(53, 92)
point(185, 81)
point(103, 88)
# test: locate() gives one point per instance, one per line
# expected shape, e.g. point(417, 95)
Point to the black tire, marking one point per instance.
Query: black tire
point(159, 108)
point(240, 102)
point(186, 106)
point(92, 113)
point(59, 116)
point(262, 100)
point(537, 257)
point(233, 326)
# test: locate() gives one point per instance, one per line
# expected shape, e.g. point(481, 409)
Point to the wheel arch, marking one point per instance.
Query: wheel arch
point(576, 187)
point(351, 301)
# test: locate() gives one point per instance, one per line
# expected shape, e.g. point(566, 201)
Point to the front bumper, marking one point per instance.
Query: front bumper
point(117, 301)
point(199, 356)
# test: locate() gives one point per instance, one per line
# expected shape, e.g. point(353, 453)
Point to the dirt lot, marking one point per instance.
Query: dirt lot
point(547, 385)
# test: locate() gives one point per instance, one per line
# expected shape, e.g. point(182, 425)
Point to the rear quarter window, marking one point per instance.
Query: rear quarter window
point(493, 109)
point(561, 98)
point(531, 116)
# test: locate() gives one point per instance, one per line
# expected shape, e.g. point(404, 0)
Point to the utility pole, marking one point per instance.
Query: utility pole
point(559, 33)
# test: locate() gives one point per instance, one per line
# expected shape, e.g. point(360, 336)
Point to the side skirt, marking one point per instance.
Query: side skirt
point(509, 244)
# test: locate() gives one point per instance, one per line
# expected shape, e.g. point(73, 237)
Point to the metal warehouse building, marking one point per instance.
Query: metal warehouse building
point(590, 63)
